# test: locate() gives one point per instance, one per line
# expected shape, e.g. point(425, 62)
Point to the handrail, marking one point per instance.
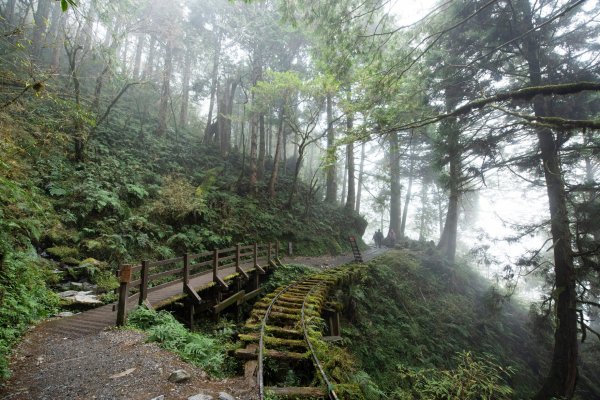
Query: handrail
point(235, 256)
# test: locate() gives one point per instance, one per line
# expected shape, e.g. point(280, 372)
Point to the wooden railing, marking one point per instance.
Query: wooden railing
point(142, 279)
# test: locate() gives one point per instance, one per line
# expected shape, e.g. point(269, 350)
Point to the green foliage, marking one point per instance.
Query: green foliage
point(62, 252)
point(24, 299)
point(419, 312)
point(472, 378)
point(286, 274)
point(198, 349)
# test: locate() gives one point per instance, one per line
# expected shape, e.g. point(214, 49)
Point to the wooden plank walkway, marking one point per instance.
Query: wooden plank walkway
point(93, 321)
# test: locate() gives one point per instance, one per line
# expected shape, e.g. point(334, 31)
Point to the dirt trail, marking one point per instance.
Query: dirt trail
point(118, 364)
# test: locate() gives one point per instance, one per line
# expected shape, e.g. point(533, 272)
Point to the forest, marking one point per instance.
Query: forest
point(146, 129)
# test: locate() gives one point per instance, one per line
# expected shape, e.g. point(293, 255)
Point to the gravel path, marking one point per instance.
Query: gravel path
point(118, 364)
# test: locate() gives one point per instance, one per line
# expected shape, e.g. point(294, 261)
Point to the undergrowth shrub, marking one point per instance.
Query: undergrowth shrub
point(24, 299)
point(198, 349)
point(473, 378)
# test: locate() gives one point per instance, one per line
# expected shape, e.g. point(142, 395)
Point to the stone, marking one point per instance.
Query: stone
point(68, 293)
point(161, 397)
point(179, 376)
point(200, 396)
point(76, 285)
point(65, 314)
point(89, 286)
point(86, 298)
point(225, 396)
point(80, 297)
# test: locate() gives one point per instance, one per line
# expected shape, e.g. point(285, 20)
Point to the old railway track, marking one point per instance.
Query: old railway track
point(281, 326)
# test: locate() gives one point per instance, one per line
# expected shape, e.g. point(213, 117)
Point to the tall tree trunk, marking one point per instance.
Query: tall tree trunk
point(424, 202)
point(331, 193)
point(185, 88)
point(165, 93)
point(447, 244)
point(395, 191)
point(137, 61)
point(344, 177)
point(98, 89)
point(78, 134)
point(351, 198)
point(213, 89)
point(274, 173)
point(562, 377)
point(40, 18)
point(253, 152)
point(149, 67)
point(408, 190)
point(9, 13)
point(284, 148)
point(224, 116)
point(360, 177)
point(262, 146)
point(58, 37)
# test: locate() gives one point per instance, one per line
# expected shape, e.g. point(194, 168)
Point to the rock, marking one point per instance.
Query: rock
point(68, 293)
point(89, 286)
point(200, 396)
point(86, 298)
point(161, 397)
point(76, 285)
point(80, 297)
point(225, 396)
point(65, 314)
point(179, 376)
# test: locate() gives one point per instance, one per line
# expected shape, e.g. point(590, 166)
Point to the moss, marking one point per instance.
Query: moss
point(62, 252)
point(71, 261)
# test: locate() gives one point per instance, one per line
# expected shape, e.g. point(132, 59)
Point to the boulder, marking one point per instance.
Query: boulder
point(179, 376)
point(80, 297)
point(225, 396)
point(67, 293)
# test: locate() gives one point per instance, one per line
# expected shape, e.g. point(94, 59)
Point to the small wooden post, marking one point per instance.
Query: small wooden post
point(186, 270)
point(255, 255)
point(237, 257)
point(290, 249)
point(125, 278)
point(215, 265)
point(143, 283)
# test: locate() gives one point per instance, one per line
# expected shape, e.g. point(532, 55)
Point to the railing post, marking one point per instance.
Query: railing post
point(215, 265)
point(143, 283)
point(124, 278)
point(237, 257)
point(269, 256)
point(186, 270)
point(290, 249)
point(255, 254)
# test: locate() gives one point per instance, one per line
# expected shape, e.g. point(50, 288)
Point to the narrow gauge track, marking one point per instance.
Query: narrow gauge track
point(283, 322)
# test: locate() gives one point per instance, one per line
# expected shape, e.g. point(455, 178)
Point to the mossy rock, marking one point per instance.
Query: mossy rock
point(62, 252)
point(71, 261)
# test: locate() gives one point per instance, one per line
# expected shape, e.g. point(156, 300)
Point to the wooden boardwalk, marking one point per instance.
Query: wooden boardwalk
point(93, 321)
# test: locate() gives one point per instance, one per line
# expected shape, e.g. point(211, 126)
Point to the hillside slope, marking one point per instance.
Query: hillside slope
point(423, 329)
point(133, 197)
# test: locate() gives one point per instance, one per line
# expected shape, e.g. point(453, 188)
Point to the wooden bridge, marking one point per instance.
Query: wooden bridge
point(209, 281)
